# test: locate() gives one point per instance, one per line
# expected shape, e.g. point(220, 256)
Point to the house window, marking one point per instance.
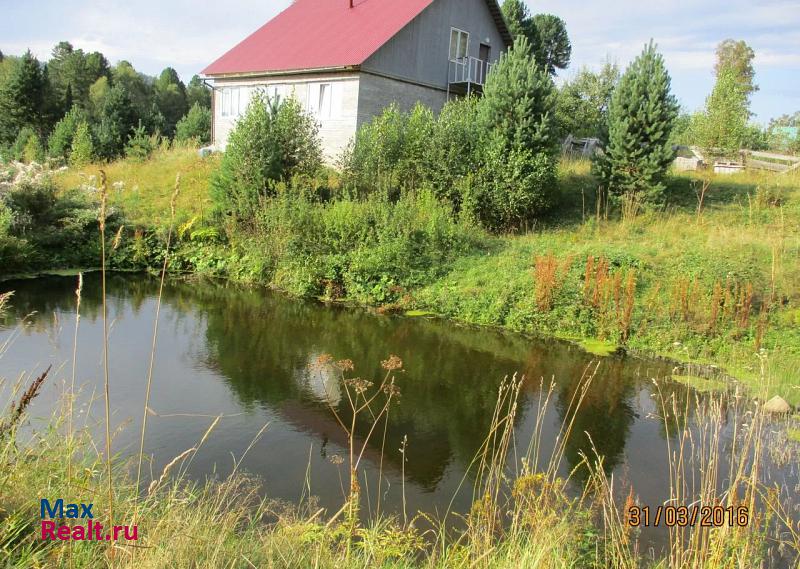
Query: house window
point(459, 44)
point(276, 92)
point(320, 100)
point(235, 101)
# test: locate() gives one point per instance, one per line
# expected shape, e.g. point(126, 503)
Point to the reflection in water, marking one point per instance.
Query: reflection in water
point(245, 353)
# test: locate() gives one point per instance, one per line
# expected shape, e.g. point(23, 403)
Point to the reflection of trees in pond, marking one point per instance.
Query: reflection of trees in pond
point(261, 344)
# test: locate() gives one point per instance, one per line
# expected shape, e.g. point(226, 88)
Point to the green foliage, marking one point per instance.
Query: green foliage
point(737, 57)
point(519, 142)
point(582, 107)
point(118, 118)
point(553, 49)
point(196, 125)
point(514, 186)
point(519, 21)
point(722, 128)
point(72, 74)
point(21, 142)
point(98, 93)
point(59, 227)
point(59, 143)
point(197, 93)
point(82, 149)
point(138, 86)
point(22, 98)
point(371, 250)
point(636, 149)
point(519, 103)
point(274, 141)
point(140, 145)
point(454, 149)
point(170, 97)
point(33, 150)
point(390, 153)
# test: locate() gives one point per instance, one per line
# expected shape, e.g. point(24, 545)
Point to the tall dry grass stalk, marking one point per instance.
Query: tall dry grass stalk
point(106, 391)
point(155, 330)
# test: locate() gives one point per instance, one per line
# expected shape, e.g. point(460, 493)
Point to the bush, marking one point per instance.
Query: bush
point(140, 145)
point(82, 150)
point(196, 125)
point(513, 186)
point(372, 250)
point(61, 228)
point(273, 142)
point(390, 153)
point(453, 153)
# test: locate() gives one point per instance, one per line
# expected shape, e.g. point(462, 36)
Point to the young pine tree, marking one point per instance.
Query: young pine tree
point(636, 147)
point(59, 145)
point(518, 143)
point(82, 150)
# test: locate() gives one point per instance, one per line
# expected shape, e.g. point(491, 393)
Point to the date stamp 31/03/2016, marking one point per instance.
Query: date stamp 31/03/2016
point(688, 516)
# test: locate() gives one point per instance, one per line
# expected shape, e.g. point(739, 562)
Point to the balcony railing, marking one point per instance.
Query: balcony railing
point(469, 71)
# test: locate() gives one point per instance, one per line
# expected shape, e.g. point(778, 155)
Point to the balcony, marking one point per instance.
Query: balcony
point(467, 75)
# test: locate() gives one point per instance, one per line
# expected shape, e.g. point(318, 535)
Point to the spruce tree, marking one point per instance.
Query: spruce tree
point(22, 99)
point(636, 149)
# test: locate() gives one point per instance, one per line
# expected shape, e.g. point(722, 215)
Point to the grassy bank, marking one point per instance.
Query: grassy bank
point(719, 287)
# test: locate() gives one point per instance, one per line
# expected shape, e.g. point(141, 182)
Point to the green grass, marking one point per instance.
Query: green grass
point(148, 186)
point(793, 435)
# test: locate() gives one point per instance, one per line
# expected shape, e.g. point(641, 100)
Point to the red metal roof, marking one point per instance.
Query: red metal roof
point(319, 34)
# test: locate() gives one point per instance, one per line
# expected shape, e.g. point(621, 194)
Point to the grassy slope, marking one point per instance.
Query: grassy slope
point(148, 186)
point(748, 233)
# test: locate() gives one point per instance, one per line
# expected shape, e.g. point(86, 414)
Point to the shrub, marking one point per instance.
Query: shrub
point(272, 142)
point(196, 125)
point(389, 153)
point(82, 151)
point(636, 147)
point(140, 145)
point(513, 186)
point(61, 227)
point(453, 151)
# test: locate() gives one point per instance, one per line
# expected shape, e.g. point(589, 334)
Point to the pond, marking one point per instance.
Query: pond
point(245, 354)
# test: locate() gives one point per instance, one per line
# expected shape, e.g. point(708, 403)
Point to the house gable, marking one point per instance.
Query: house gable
point(420, 51)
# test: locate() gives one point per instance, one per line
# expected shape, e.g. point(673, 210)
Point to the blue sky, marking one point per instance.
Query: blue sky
point(188, 35)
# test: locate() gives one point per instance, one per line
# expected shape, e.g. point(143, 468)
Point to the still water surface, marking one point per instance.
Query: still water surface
point(245, 354)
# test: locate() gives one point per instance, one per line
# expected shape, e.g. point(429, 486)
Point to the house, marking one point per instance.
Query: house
point(346, 60)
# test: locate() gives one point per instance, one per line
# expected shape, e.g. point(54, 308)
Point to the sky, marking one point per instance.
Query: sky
point(188, 35)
